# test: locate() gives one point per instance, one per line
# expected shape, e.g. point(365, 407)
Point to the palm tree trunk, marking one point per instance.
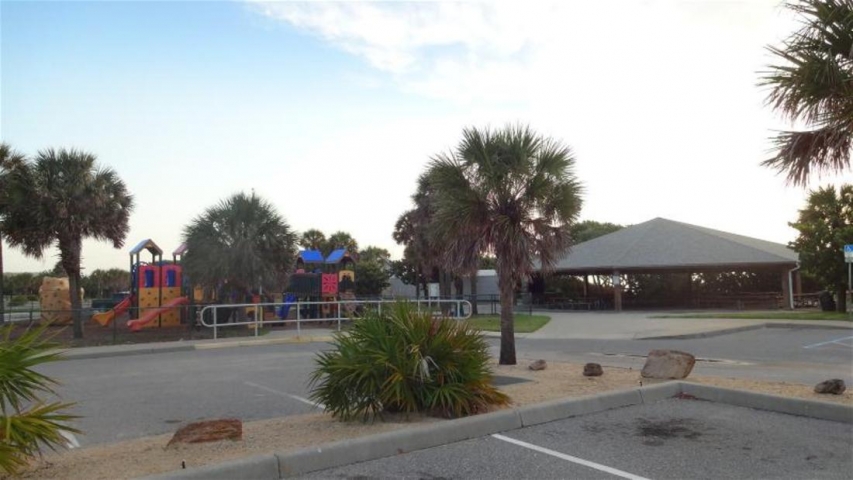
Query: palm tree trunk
point(69, 253)
point(841, 293)
point(507, 287)
point(474, 293)
point(2, 293)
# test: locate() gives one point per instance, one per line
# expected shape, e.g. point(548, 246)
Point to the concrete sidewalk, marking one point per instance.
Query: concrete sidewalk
point(274, 337)
point(638, 325)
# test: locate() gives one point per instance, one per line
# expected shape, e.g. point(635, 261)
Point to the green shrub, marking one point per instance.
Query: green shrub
point(404, 361)
point(27, 422)
point(17, 300)
point(33, 298)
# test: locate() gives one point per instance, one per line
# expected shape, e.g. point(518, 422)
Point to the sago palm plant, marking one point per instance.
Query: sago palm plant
point(28, 422)
point(401, 360)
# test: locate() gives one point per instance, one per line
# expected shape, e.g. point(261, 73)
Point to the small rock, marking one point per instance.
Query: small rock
point(835, 386)
point(668, 364)
point(209, 431)
point(592, 370)
point(538, 365)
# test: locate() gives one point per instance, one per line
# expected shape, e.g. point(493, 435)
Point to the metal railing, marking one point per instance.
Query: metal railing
point(338, 311)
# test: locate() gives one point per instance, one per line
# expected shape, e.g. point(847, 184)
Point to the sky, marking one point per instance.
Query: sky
point(331, 110)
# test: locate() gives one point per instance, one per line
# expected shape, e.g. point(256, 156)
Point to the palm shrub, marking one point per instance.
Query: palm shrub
point(401, 360)
point(28, 422)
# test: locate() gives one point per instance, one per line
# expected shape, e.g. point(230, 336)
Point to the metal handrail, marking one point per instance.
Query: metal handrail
point(340, 304)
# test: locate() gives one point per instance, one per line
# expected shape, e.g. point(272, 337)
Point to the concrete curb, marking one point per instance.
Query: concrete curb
point(260, 467)
point(746, 328)
point(835, 412)
point(70, 354)
point(266, 341)
point(802, 325)
point(144, 349)
point(706, 334)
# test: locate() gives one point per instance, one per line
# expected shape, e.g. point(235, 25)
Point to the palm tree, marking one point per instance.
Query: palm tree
point(312, 240)
point(28, 422)
point(813, 85)
point(9, 160)
point(242, 241)
point(511, 193)
point(67, 198)
point(341, 239)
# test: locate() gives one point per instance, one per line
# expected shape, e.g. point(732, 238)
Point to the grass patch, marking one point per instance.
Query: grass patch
point(768, 316)
point(523, 323)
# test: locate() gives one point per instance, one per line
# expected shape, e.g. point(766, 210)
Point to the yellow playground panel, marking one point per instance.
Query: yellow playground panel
point(149, 299)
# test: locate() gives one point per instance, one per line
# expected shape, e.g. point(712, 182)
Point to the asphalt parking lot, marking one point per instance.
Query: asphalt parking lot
point(669, 439)
point(128, 397)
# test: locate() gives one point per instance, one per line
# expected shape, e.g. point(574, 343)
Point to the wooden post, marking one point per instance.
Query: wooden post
point(617, 292)
point(786, 291)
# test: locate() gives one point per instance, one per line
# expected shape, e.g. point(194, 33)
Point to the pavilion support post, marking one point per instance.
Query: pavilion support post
point(798, 283)
point(617, 292)
point(787, 302)
point(585, 287)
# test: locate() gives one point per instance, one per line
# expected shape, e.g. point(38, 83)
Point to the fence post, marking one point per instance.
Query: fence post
point(214, 321)
point(298, 317)
point(339, 315)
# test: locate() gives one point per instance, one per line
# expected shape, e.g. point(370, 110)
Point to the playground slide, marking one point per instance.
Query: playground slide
point(137, 324)
point(285, 309)
point(104, 318)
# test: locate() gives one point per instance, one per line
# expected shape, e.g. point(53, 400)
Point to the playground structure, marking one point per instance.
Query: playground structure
point(156, 290)
point(320, 280)
point(158, 293)
point(55, 300)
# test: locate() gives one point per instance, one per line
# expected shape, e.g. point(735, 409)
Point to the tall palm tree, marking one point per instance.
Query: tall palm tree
point(512, 193)
point(67, 198)
point(813, 84)
point(242, 241)
point(9, 160)
point(312, 240)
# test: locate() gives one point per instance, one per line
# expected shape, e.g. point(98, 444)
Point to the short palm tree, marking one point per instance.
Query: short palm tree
point(9, 160)
point(509, 192)
point(813, 84)
point(27, 422)
point(242, 241)
point(65, 197)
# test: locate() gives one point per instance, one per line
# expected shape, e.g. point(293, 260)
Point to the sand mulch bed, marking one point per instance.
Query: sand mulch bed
point(148, 456)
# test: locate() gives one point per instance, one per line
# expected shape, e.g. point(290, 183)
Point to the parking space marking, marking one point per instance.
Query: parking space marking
point(288, 395)
point(569, 458)
point(837, 341)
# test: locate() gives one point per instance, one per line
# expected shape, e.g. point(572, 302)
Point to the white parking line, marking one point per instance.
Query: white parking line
point(837, 340)
point(288, 395)
point(563, 456)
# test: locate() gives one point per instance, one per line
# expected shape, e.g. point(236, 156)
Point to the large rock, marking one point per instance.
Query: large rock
point(835, 386)
point(538, 365)
point(209, 431)
point(668, 364)
point(592, 370)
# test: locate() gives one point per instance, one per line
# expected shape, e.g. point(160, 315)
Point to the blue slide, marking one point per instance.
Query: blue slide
point(285, 309)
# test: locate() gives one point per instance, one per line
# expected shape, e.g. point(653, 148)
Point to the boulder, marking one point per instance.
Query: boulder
point(668, 364)
point(538, 365)
point(592, 370)
point(209, 431)
point(835, 386)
